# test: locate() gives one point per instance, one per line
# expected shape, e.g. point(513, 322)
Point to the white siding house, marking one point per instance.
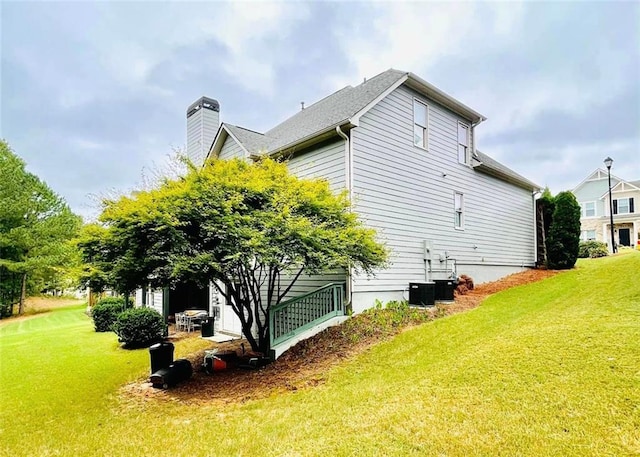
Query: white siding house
point(406, 153)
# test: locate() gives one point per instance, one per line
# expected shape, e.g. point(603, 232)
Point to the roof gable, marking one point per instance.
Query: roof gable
point(342, 108)
point(622, 186)
point(224, 131)
point(597, 175)
point(334, 110)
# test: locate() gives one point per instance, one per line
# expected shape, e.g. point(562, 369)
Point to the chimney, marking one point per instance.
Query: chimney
point(203, 119)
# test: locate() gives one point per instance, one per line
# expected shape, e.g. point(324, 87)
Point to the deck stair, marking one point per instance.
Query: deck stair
point(302, 317)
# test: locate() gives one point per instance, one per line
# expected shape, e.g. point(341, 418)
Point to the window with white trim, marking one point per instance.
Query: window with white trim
point(463, 143)
point(458, 210)
point(588, 235)
point(420, 124)
point(589, 209)
point(623, 206)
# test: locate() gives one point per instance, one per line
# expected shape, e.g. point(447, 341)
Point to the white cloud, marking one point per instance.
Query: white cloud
point(417, 36)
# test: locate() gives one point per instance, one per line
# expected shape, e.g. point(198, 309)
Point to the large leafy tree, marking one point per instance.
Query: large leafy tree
point(563, 242)
point(36, 226)
point(251, 229)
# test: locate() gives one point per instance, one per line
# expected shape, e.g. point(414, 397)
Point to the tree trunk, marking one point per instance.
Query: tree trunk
point(23, 294)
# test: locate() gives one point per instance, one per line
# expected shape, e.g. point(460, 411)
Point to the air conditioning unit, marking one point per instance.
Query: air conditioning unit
point(444, 289)
point(422, 293)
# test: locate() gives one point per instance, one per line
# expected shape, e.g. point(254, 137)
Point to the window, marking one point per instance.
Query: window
point(588, 235)
point(589, 209)
point(458, 208)
point(623, 206)
point(420, 122)
point(463, 143)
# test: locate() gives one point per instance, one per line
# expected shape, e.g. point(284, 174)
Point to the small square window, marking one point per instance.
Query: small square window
point(589, 209)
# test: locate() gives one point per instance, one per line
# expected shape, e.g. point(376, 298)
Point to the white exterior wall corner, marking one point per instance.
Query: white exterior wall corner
point(407, 193)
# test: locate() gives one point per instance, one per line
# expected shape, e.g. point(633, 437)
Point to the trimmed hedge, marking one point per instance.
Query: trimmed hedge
point(592, 249)
point(105, 313)
point(139, 327)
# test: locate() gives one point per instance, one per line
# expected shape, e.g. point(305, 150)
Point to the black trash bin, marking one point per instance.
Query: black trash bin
point(207, 326)
point(178, 371)
point(161, 355)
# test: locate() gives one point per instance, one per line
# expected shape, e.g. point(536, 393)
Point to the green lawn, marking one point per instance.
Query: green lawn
point(547, 369)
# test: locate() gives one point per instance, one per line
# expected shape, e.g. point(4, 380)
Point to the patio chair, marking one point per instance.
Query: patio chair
point(180, 322)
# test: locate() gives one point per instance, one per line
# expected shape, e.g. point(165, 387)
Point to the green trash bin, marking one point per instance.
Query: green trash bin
point(207, 326)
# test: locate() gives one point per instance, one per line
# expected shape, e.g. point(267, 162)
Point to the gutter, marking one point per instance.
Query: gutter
point(349, 184)
point(307, 140)
point(473, 138)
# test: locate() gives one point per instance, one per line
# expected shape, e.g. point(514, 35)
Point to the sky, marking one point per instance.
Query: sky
point(94, 94)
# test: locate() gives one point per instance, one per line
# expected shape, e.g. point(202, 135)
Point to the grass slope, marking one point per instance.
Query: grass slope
point(551, 368)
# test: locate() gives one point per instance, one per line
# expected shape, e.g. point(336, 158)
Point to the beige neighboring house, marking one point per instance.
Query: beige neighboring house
point(593, 196)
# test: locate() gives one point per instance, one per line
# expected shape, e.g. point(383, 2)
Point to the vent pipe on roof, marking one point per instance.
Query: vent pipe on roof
point(203, 120)
point(301, 106)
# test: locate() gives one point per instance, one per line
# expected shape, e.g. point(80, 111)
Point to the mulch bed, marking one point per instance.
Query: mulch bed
point(302, 366)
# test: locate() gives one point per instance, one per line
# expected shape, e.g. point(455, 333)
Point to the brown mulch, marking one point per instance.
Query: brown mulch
point(302, 366)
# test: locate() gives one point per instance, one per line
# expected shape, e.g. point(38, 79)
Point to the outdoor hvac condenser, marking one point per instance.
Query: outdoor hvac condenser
point(422, 293)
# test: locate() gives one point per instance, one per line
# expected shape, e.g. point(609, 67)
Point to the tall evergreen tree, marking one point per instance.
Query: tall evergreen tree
point(563, 241)
point(36, 225)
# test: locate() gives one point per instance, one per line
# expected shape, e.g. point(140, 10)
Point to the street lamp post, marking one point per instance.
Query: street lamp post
point(608, 162)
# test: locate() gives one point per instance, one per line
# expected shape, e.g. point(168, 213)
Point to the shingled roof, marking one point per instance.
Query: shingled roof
point(484, 163)
point(333, 110)
point(340, 109)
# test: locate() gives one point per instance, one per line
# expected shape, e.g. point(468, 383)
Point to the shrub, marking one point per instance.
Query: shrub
point(564, 234)
point(592, 249)
point(139, 327)
point(105, 312)
point(383, 320)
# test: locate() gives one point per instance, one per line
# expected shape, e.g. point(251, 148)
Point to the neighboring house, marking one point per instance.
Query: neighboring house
point(407, 154)
point(595, 221)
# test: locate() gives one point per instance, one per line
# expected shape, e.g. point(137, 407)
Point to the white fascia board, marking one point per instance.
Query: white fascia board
point(220, 138)
point(218, 141)
point(246, 153)
point(355, 119)
point(310, 139)
point(621, 183)
point(443, 98)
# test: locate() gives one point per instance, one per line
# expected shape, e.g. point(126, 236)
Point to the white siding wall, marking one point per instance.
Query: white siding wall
point(326, 161)
point(154, 300)
point(407, 193)
point(201, 129)
point(231, 150)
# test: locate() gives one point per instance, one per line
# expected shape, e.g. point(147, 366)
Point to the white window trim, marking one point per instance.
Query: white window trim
point(425, 146)
point(455, 211)
point(467, 158)
point(617, 200)
point(584, 210)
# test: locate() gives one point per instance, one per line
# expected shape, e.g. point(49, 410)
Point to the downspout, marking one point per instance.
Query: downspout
point(349, 184)
point(535, 227)
point(473, 135)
